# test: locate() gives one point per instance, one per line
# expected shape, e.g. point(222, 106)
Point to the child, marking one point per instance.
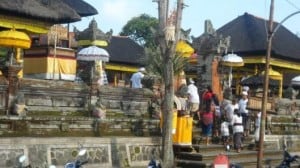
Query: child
point(225, 132)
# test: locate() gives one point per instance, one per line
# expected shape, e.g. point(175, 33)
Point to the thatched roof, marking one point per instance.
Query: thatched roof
point(249, 34)
point(81, 7)
point(124, 50)
point(53, 11)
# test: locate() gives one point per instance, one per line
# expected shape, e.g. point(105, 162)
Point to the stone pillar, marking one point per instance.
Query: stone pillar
point(11, 74)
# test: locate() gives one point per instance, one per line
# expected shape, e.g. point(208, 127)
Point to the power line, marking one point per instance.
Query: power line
point(292, 4)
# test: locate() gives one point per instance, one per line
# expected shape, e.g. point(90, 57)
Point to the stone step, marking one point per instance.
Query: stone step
point(198, 139)
point(249, 163)
point(243, 155)
point(208, 149)
point(245, 158)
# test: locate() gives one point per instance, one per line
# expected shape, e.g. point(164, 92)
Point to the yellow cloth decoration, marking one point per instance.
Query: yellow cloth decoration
point(25, 24)
point(123, 68)
point(91, 43)
point(184, 49)
point(65, 68)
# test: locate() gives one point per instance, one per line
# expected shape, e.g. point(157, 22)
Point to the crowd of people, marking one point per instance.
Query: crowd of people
point(228, 120)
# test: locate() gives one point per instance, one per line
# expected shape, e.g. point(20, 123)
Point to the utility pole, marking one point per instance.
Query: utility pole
point(167, 49)
point(260, 154)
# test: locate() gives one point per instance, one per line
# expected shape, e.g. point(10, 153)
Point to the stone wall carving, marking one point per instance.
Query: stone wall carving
point(102, 152)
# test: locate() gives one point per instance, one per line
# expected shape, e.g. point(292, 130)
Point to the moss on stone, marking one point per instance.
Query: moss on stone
point(57, 113)
point(283, 119)
point(137, 149)
point(74, 153)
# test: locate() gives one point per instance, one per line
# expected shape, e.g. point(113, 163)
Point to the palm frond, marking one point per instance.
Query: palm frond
point(154, 62)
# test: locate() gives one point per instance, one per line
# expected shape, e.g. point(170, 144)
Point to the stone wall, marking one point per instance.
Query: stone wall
point(101, 152)
point(65, 96)
point(286, 106)
point(131, 102)
point(62, 126)
point(292, 142)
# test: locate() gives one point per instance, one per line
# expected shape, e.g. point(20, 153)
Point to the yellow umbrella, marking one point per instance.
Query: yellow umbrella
point(273, 74)
point(184, 49)
point(13, 38)
point(276, 76)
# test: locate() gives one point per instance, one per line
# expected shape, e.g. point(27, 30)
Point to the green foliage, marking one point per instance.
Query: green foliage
point(3, 51)
point(3, 55)
point(155, 62)
point(141, 29)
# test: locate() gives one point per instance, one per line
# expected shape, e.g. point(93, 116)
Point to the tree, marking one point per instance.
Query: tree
point(155, 65)
point(167, 49)
point(141, 29)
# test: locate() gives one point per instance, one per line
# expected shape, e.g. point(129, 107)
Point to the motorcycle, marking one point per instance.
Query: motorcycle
point(153, 164)
point(288, 159)
point(22, 162)
point(77, 163)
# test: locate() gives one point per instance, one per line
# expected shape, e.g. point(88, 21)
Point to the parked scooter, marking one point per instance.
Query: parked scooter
point(153, 164)
point(288, 159)
point(77, 163)
point(22, 162)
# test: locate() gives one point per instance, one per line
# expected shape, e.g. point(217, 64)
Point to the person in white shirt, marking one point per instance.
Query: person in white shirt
point(257, 128)
point(225, 131)
point(229, 111)
point(193, 98)
point(244, 112)
point(238, 130)
point(136, 78)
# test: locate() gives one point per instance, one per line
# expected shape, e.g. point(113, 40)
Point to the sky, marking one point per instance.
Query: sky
point(114, 14)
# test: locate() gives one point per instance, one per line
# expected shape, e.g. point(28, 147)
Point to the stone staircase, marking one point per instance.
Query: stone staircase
point(199, 155)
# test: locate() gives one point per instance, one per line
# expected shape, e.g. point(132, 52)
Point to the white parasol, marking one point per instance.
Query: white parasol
point(232, 60)
point(296, 81)
point(93, 53)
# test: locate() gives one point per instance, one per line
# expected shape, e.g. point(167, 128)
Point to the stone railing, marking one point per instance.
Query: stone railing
point(101, 152)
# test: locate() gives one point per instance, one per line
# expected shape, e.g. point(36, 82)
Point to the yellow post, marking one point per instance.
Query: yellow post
point(280, 88)
point(19, 60)
point(115, 80)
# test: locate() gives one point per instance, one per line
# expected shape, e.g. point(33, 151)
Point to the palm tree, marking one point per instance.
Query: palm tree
point(155, 65)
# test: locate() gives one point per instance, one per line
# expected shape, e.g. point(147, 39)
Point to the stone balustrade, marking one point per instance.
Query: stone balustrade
point(101, 152)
